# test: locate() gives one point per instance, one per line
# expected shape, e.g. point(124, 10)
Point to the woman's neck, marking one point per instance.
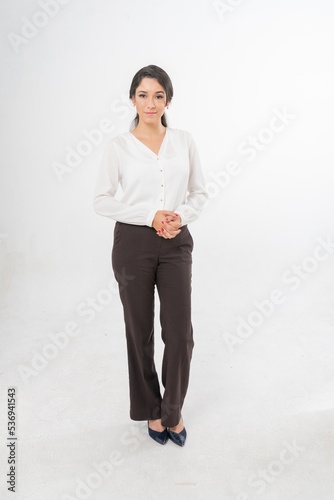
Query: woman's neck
point(148, 130)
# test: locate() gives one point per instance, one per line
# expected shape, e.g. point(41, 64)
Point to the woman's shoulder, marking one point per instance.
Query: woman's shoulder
point(181, 134)
point(120, 139)
point(119, 142)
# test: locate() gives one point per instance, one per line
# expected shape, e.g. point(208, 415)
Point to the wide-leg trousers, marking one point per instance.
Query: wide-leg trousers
point(142, 262)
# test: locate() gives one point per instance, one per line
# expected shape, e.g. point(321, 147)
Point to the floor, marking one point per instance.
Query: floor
point(259, 410)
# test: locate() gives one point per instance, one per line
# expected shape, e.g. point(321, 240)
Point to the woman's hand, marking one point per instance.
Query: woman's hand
point(167, 224)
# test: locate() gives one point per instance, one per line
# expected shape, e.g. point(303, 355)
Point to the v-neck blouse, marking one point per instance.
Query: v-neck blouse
point(171, 180)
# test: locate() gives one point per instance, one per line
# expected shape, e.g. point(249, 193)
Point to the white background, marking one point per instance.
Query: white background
point(229, 74)
point(230, 70)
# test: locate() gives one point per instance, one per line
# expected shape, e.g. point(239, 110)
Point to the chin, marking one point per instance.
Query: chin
point(151, 119)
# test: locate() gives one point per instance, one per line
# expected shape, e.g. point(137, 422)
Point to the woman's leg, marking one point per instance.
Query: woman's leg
point(174, 288)
point(134, 263)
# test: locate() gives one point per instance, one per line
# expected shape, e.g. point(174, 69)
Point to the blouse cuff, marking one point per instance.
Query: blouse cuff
point(182, 217)
point(150, 217)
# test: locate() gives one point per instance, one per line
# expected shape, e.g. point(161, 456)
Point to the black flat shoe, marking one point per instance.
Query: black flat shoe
point(178, 438)
point(159, 437)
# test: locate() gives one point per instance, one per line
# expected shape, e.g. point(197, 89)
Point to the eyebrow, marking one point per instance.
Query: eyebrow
point(157, 92)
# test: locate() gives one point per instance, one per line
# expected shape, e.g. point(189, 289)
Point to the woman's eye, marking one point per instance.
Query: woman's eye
point(141, 95)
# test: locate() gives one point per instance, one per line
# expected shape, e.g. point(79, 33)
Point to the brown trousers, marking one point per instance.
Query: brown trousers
point(141, 261)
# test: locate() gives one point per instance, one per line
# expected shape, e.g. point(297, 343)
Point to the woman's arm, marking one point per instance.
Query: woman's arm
point(197, 194)
point(107, 183)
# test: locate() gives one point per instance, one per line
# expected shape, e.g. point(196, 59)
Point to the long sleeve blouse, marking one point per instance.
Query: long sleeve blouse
point(171, 180)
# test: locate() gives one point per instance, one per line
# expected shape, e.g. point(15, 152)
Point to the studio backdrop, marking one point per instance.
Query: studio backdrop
point(253, 83)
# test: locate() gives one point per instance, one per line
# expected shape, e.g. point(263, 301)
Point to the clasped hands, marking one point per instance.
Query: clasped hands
point(167, 224)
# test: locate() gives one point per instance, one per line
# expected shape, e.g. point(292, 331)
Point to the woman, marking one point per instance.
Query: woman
point(163, 187)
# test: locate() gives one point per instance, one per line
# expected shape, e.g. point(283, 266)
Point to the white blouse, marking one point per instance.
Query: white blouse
point(172, 180)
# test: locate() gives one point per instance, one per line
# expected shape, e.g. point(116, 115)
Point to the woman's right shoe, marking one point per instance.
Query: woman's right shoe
point(159, 437)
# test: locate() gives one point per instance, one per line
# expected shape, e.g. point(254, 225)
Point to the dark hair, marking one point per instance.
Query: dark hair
point(159, 74)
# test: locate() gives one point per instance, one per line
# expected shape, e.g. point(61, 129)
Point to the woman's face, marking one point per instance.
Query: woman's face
point(150, 100)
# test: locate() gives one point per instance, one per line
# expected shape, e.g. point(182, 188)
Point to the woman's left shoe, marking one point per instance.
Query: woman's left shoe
point(178, 438)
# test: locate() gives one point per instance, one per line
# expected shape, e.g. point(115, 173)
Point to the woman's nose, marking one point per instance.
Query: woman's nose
point(150, 103)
